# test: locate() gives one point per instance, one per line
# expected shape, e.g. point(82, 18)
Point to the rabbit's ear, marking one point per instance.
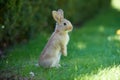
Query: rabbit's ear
point(57, 17)
point(61, 12)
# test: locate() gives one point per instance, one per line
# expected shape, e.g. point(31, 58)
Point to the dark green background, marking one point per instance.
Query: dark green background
point(23, 19)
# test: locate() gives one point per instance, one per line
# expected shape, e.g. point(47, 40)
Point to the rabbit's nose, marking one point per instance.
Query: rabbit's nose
point(70, 28)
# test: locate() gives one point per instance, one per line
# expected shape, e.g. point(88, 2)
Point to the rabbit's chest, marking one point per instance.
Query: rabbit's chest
point(65, 39)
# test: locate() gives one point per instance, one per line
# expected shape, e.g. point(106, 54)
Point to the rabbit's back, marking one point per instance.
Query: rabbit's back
point(51, 49)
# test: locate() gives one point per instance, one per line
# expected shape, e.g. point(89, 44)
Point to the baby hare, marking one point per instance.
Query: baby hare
point(57, 44)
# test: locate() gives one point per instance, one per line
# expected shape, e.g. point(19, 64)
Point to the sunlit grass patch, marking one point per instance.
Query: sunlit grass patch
point(116, 4)
point(114, 37)
point(81, 45)
point(101, 28)
point(110, 73)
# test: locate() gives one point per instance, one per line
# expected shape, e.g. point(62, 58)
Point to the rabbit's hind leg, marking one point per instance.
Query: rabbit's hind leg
point(46, 63)
point(56, 61)
point(55, 64)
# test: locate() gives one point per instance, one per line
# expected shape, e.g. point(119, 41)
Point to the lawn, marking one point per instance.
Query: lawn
point(93, 54)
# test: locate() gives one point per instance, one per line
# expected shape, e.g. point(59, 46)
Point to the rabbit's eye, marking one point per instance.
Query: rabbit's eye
point(64, 24)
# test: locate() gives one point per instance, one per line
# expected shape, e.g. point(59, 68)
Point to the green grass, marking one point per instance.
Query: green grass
point(93, 53)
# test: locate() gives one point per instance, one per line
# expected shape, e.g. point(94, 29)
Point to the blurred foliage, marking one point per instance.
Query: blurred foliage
point(21, 19)
point(81, 10)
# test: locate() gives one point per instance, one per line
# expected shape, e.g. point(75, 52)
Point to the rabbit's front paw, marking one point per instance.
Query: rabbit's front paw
point(65, 54)
point(58, 65)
